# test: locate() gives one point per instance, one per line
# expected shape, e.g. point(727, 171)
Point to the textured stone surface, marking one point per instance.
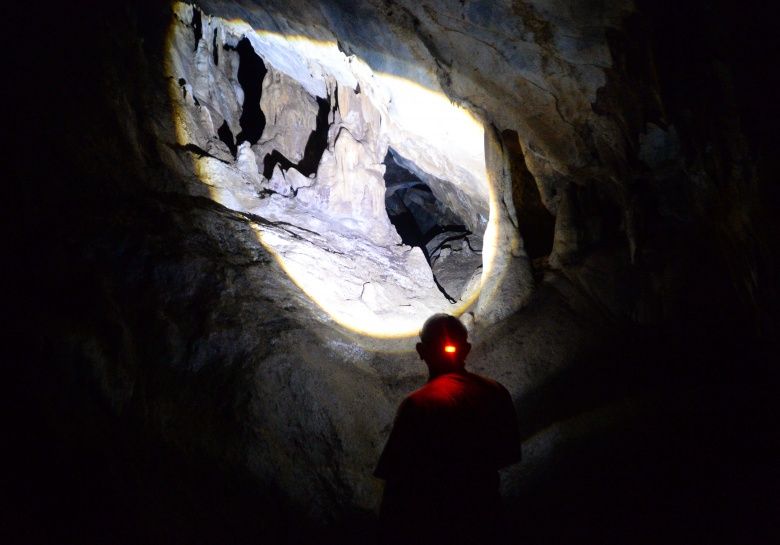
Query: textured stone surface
point(351, 261)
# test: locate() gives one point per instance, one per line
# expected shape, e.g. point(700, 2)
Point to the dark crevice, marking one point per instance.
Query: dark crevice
point(182, 83)
point(226, 135)
point(251, 71)
point(271, 160)
point(197, 150)
point(443, 291)
point(535, 223)
point(266, 192)
point(214, 49)
point(197, 26)
point(408, 230)
point(346, 50)
point(318, 139)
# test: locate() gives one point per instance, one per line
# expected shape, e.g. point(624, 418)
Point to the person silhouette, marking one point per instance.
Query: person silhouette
point(448, 441)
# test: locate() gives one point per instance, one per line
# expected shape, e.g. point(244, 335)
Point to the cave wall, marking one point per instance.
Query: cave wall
point(172, 384)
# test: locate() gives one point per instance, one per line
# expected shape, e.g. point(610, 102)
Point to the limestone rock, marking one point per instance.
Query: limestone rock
point(334, 117)
point(278, 184)
point(291, 115)
point(246, 162)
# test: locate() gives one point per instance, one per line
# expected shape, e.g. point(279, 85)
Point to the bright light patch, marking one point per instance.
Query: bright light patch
point(451, 133)
point(412, 115)
point(450, 349)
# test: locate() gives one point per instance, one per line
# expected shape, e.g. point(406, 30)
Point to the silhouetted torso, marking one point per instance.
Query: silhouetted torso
point(440, 463)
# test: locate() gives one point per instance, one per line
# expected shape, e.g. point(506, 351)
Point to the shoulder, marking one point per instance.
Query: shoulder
point(490, 391)
point(418, 399)
point(439, 391)
point(412, 404)
point(486, 383)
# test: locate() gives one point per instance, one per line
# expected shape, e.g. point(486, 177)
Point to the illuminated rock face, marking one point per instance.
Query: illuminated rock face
point(294, 131)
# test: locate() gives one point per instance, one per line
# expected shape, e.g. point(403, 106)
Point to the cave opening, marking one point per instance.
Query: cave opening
point(534, 221)
point(452, 250)
point(226, 135)
point(197, 27)
point(251, 71)
point(215, 49)
point(318, 139)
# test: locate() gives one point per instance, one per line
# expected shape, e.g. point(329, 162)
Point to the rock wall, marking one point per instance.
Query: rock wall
point(323, 123)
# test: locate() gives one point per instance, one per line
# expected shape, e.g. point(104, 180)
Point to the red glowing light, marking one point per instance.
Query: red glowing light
point(450, 349)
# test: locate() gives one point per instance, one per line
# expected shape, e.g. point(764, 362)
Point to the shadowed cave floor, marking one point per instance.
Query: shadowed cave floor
point(690, 465)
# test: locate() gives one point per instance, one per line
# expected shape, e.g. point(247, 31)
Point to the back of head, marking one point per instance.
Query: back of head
point(441, 327)
point(444, 343)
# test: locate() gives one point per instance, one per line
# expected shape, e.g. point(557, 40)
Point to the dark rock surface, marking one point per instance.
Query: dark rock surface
point(170, 384)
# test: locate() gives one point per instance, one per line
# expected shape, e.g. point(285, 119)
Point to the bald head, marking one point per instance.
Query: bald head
point(443, 344)
point(443, 326)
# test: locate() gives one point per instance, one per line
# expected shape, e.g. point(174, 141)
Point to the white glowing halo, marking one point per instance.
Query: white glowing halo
point(419, 113)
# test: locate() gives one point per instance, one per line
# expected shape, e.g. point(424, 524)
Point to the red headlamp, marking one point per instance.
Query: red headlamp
point(450, 348)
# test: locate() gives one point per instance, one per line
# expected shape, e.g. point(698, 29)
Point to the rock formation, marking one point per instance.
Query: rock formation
point(314, 161)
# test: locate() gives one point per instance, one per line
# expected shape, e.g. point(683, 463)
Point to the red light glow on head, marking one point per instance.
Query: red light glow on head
point(450, 348)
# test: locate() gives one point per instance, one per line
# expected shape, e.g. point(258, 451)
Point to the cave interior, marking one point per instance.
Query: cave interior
point(452, 251)
point(229, 219)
